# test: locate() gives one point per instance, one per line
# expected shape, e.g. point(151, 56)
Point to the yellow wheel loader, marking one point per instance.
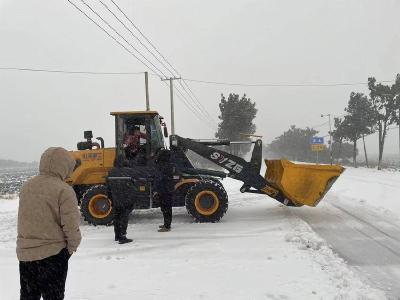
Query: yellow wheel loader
point(102, 175)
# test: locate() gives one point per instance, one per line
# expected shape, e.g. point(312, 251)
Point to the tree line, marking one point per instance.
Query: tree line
point(364, 115)
point(237, 123)
point(367, 114)
point(294, 144)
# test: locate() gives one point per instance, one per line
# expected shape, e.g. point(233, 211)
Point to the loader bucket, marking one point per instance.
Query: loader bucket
point(303, 184)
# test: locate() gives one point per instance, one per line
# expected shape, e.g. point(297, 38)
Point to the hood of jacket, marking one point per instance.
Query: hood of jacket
point(57, 161)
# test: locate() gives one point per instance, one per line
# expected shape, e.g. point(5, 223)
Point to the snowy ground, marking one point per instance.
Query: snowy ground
point(260, 250)
point(361, 221)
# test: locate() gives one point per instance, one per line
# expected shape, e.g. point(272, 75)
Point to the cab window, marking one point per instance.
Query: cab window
point(157, 140)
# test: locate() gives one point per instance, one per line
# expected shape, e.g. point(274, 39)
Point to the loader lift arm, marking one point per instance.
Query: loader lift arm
point(289, 183)
point(238, 168)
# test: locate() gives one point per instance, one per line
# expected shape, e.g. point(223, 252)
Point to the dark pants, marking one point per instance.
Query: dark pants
point(166, 207)
point(121, 219)
point(44, 278)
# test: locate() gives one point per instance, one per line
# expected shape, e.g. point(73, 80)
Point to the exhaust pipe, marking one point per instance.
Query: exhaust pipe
point(101, 141)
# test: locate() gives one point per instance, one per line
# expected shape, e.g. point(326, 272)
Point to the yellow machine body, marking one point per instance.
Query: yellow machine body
point(303, 184)
point(93, 166)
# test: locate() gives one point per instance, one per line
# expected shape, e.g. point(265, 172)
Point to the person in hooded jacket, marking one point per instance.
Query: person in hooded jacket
point(48, 227)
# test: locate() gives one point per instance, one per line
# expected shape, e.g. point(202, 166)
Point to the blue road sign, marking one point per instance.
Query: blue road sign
point(316, 140)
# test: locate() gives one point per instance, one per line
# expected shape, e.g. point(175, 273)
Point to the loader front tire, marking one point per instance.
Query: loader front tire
point(96, 208)
point(207, 201)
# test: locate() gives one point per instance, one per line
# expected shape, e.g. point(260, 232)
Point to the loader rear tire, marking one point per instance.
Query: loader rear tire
point(207, 201)
point(96, 208)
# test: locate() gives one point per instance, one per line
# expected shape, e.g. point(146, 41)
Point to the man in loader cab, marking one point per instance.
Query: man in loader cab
point(132, 141)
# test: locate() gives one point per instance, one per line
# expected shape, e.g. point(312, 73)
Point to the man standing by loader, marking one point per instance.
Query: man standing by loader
point(164, 187)
point(122, 210)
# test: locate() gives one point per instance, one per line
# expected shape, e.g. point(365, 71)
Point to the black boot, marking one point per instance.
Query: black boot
point(124, 240)
point(164, 228)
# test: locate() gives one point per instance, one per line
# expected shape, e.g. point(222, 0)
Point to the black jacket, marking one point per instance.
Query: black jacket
point(165, 171)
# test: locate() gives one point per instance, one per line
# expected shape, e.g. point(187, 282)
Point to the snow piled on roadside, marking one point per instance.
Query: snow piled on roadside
point(344, 281)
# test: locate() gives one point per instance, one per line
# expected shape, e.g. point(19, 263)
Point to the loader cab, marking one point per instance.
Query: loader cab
point(149, 139)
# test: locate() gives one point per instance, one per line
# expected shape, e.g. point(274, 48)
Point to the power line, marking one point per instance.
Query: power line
point(185, 101)
point(177, 74)
point(201, 109)
point(196, 100)
point(281, 85)
point(137, 73)
point(69, 72)
point(135, 36)
point(133, 47)
point(106, 32)
point(119, 34)
point(180, 96)
point(142, 34)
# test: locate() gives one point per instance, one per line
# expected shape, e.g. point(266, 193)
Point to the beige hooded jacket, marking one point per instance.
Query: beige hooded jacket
point(48, 216)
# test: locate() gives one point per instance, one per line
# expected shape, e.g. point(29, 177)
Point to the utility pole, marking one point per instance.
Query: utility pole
point(330, 136)
point(171, 95)
point(146, 84)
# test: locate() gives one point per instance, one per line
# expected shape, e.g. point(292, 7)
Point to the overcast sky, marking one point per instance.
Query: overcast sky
point(259, 41)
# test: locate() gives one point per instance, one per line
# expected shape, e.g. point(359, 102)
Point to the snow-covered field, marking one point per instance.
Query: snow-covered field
point(260, 250)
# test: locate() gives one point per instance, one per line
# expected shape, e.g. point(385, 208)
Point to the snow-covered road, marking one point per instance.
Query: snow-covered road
point(360, 220)
point(366, 240)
